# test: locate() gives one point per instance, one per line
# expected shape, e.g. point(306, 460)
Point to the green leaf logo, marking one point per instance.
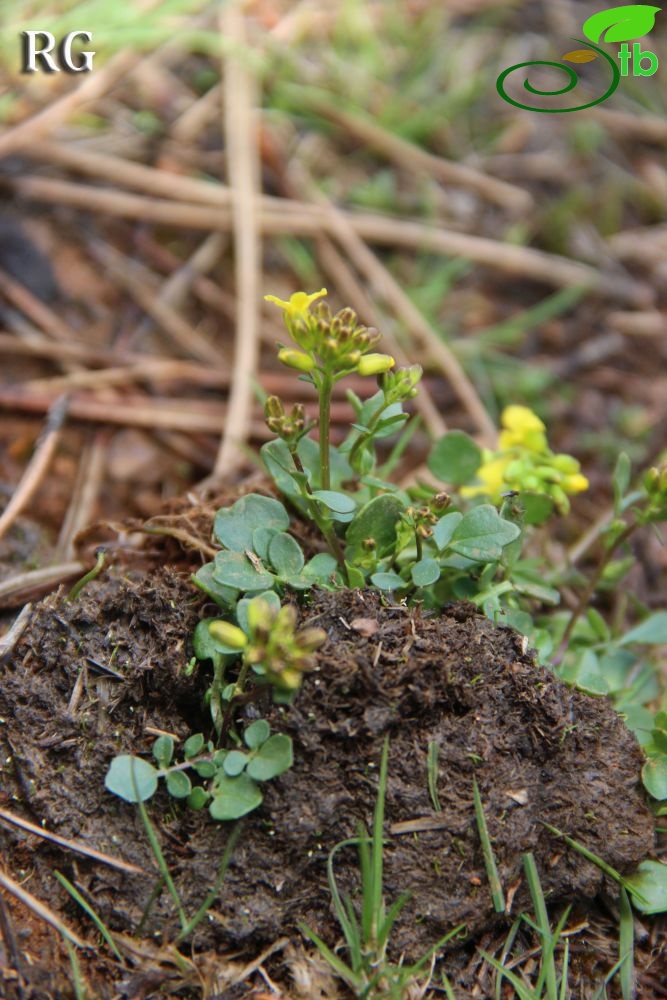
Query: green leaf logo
point(620, 24)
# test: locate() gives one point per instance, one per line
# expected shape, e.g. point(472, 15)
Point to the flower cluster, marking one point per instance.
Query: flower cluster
point(336, 342)
point(291, 428)
point(523, 461)
point(655, 484)
point(272, 647)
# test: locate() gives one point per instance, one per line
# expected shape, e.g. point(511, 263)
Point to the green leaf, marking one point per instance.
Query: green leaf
point(482, 533)
point(272, 758)
point(234, 797)
point(163, 750)
point(206, 647)
point(234, 526)
point(584, 672)
point(198, 797)
point(119, 778)
point(650, 882)
point(654, 776)
point(234, 762)
point(444, 529)
point(388, 581)
point(320, 568)
point(377, 520)
point(205, 768)
point(623, 23)
point(280, 466)
point(336, 503)
point(234, 569)
point(269, 596)
point(355, 578)
point(620, 480)
point(455, 458)
point(652, 631)
point(425, 572)
point(285, 555)
point(257, 733)
point(224, 596)
point(261, 539)
point(537, 507)
point(178, 784)
point(193, 745)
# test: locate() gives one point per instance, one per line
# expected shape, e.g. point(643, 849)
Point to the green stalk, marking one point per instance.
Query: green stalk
point(328, 532)
point(325, 388)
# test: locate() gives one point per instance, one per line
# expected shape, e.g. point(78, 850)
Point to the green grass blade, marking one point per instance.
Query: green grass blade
point(522, 991)
point(507, 947)
point(77, 978)
point(566, 969)
point(161, 863)
point(548, 968)
point(432, 774)
point(94, 916)
point(626, 943)
point(345, 914)
point(230, 846)
point(337, 964)
point(497, 894)
point(378, 834)
point(596, 860)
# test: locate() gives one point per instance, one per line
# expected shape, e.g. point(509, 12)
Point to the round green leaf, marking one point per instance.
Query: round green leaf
point(482, 533)
point(285, 555)
point(163, 750)
point(234, 763)
point(444, 529)
point(341, 503)
point(234, 526)
point(537, 507)
point(193, 745)
point(388, 581)
point(455, 458)
point(425, 572)
point(234, 797)
point(205, 768)
point(234, 569)
point(377, 520)
point(218, 592)
point(272, 758)
point(131, 778)
point(257, 733)
point(654, 776)
point(178, 784)
point(653, 630)
point(198, 798)
point(320, 568)
point(261, 539)
point(648, 887)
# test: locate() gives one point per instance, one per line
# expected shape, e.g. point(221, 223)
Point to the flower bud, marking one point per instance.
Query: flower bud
point(296, 359)
point(228, 634)
point(375, 364)
point(273, 407)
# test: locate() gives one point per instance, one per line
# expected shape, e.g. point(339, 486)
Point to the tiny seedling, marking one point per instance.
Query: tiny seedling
point(367, 928)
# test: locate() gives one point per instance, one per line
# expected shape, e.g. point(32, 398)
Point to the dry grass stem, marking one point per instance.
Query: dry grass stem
point(27, 586)
point(40, 909)
point(37, 466)
point(240, 129)
point(71, 845)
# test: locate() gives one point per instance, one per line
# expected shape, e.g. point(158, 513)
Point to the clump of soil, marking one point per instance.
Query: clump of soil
point(540, 752)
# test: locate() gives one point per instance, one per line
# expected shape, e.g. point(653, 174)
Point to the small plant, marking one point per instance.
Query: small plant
point(367, 928)
point(473, 538)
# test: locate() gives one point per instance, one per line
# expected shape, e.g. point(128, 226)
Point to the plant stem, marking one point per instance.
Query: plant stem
point(585, 598)
point(328, 532)
point(325, 387)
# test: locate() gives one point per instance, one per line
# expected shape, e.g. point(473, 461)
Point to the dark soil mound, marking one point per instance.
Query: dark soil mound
point(540, 753)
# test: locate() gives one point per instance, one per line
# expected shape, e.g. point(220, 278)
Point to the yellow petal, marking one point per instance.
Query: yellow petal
point(521, 419)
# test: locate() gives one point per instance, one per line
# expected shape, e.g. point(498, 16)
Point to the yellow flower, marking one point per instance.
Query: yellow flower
point(298, 304)
point(523, 428)
point(575, 483)
point(491, 473)
point(375, 364)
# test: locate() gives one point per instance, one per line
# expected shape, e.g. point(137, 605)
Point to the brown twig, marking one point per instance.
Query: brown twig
point(40, 909)
point(89, 478)
point(70, 845)
point(17, 628)
point(240, 126)
point(26, 586)
point(37, 466)
point(522, 262)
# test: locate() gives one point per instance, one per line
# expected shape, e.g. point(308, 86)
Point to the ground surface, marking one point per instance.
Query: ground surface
point(539, 751)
